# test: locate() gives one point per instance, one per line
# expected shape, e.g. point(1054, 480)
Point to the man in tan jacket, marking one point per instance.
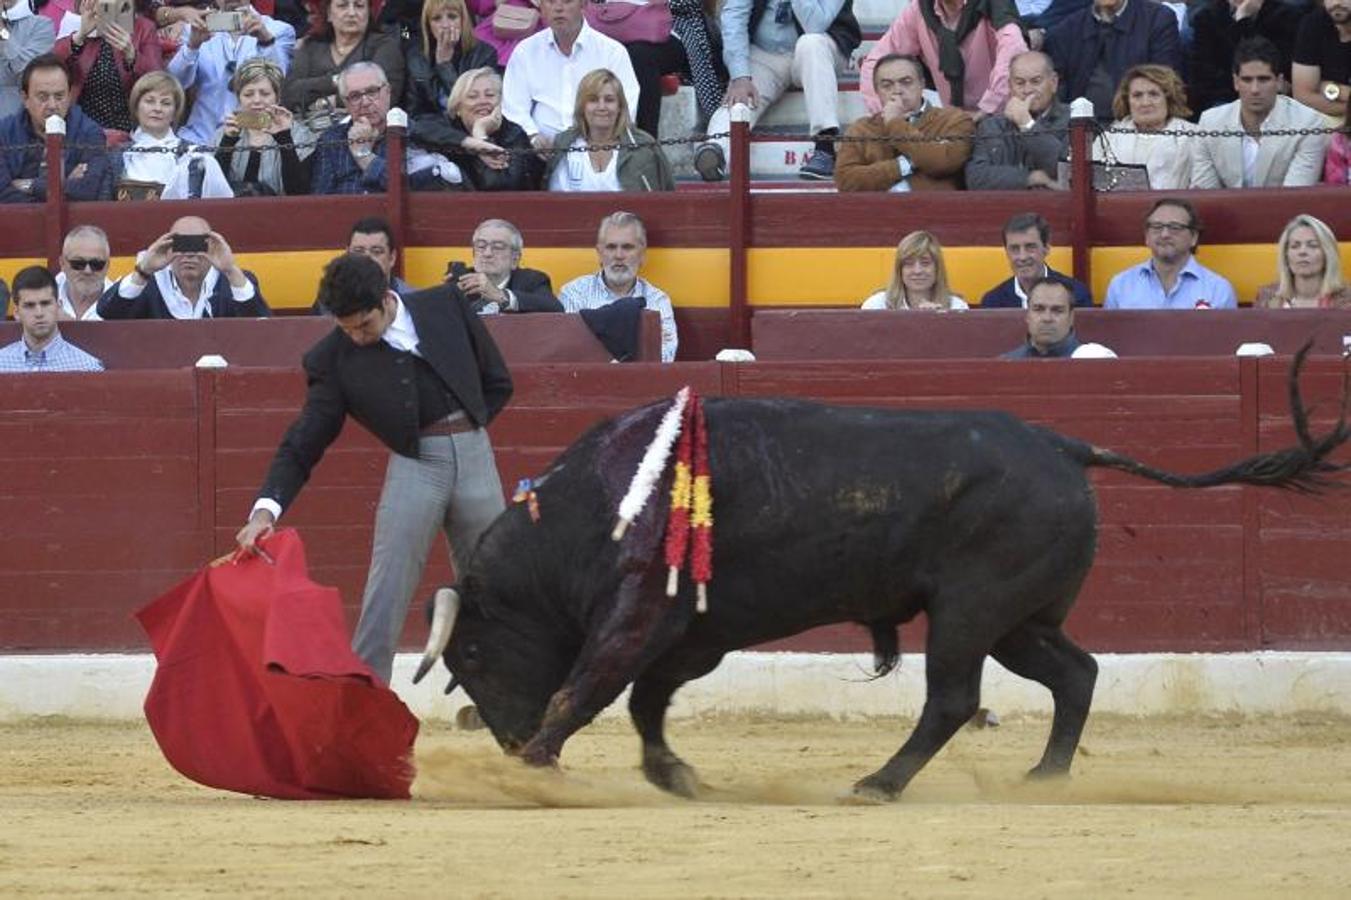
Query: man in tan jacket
point(913, 146)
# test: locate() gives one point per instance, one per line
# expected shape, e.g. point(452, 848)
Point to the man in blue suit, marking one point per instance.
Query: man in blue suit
point(1027, 240)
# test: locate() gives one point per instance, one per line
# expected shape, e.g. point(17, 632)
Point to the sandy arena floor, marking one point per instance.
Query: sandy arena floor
point(1158, 808)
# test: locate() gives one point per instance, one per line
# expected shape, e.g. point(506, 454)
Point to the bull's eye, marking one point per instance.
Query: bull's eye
point(471, 656)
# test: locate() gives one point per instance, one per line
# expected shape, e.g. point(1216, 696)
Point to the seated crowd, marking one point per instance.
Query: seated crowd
point(284, 97)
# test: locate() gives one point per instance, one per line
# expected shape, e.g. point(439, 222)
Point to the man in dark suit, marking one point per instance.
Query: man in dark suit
point(1027, 240)
point(495, 283)
point(175, 279)
point(1094, 47)
point(422, 374)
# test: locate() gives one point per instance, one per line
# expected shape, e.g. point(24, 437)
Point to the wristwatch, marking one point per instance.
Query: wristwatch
point(1332, 91)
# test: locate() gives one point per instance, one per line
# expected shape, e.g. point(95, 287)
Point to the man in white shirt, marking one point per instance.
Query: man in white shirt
point(208, 61)
point(84, 273)
point(189, 273)
point(1256, 158)
point(539, 91)
point(621, 244)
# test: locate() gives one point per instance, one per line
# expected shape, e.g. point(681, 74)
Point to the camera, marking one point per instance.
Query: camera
point(232, 21)
point(189, 243)
point(253, 119)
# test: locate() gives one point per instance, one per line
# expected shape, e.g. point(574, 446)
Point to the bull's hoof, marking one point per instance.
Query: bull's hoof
point(539, 756)
point(875, 789)
point(1043, 772)
point(673, 775)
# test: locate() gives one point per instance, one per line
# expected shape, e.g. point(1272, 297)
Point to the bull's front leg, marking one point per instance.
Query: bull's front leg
point(611, 659)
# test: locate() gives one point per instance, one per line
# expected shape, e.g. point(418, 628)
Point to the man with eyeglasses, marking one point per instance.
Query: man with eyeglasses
point(207, 61)
point(45, 87)
point(495, 284)
point(40, 348)
point(1171, 278)
point(84, 273)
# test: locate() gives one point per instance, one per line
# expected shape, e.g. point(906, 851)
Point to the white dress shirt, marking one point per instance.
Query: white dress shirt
point(539, 91)
point(180, 306)
point(63, 298)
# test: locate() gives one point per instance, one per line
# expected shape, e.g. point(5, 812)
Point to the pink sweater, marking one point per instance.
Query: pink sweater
point(1338, 160)
point(987, 53)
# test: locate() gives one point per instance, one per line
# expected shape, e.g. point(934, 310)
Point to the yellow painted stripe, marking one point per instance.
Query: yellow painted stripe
point(11, 267)
point(1247, 266)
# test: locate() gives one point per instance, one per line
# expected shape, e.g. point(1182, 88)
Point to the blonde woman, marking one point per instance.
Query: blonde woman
point(446, 50)
point(919, 279)
point(1151, 100)
point(1308, 269)
point(156, 154)
point(585, 157)
point(261, 147)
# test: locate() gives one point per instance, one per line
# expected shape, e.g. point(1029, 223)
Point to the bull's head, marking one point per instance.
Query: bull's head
point(510, 665)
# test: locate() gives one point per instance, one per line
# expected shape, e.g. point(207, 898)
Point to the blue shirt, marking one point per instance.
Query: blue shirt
point(57, 356)
point(591, 292)
point(815, 16)
point(1139, 287)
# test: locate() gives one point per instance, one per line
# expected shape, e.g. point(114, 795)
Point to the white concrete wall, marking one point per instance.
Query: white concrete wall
point(111, 686)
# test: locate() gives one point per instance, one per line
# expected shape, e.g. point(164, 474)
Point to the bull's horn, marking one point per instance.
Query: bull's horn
point(445, 608)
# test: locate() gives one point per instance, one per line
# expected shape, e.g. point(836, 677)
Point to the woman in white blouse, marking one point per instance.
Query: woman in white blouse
point(156, 154)
point(585, 157)
point(919, 278)
point(1151, 100)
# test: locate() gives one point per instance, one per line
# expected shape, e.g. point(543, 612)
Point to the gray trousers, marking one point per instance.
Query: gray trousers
point(452, 487)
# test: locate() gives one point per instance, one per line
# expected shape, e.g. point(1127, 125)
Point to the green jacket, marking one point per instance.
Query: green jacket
point(641, 167)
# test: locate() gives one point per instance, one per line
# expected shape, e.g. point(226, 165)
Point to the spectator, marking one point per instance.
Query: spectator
point(268, 157)
point(919, 278)
point(1249, 157)
point(208, 63)
point(156, 155)
point(1218, 26)
point(688, 50)
point(84, 273)
point(1022, 147)
point(496, 283)
point(444, 51)
point(1171, 278)
point(373, 237)
point(478, 138)
point(1151, 127)
point(1039, 16)
point(804, 44)
point(348, 37)
point(26, 37)
point(4, 300)
point(966, 44)
point(907, 145)
point(46, 92)
point(1337, 167)
point(105, 64)
point(1027, 241)
point(1321, 69)
point(621, 243)
point(40, 347)
point(350, 155)
point(185, 283)
point(1308, 269)
point(539, 91)
point(585, 157)
point(503, 42)
point(1050, 322)
point(1093, 48)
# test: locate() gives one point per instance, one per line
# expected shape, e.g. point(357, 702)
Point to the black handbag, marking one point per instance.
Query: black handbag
point(1109, 173)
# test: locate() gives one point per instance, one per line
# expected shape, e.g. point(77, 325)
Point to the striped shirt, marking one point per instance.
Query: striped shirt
point(591, 292)
point(57, 356)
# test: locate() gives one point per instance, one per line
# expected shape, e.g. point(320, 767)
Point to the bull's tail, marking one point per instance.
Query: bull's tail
point(1304, 468)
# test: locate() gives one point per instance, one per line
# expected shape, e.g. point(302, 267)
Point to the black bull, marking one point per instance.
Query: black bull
point(822, 514)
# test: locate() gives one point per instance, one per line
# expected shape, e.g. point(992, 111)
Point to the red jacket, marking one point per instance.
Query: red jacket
point(148, 57)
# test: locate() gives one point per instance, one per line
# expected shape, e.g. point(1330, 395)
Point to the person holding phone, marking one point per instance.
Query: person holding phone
point(208, 61)
point(105, 59)
point(188, 273)
point(497, 283)
point(262, 147)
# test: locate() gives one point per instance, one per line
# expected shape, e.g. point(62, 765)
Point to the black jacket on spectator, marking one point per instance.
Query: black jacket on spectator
point(1145, 32)
point(22, 151)
point(444, 134)
point(1318, 44)
point(427, 84)
point(151, 305)
point(1004, 154)
point(534, 291)
point(1215, 34)
point(1003, 296)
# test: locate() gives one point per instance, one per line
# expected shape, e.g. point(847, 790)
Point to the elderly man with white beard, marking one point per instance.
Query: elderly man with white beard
point(621, 244)
point(84, 273)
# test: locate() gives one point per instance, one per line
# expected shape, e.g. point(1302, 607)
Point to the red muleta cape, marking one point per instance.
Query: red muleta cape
point(257, 689)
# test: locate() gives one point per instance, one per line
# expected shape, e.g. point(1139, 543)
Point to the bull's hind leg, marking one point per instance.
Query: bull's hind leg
point(1043, 653)
point(648, 702)
point(952, 673)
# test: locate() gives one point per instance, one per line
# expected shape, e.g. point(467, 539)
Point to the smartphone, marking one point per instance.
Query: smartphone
point(232, 21)
point(189, 243)
point(119, 12)
point(455, 269)
point(255, 119)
